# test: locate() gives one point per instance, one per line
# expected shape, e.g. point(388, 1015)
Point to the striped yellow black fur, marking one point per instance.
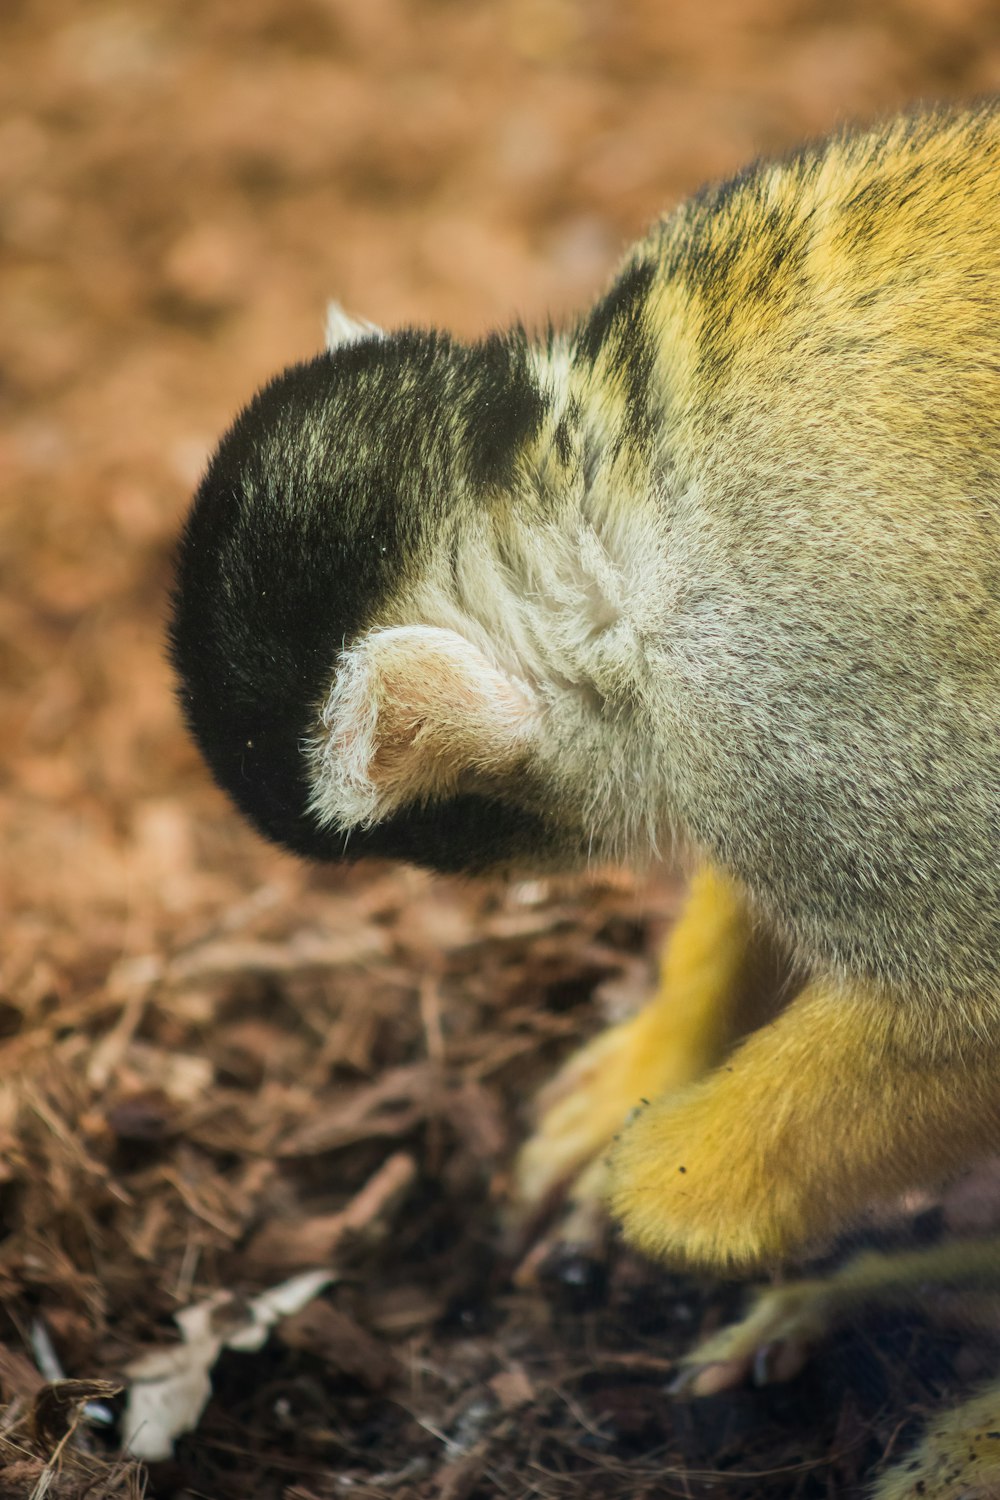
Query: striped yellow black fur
point(711, 572)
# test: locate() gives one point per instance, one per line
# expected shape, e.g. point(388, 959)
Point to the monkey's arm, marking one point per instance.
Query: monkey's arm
point(715, 974)
point(959, 1454)
point(785, 1323)
point(844, 1100)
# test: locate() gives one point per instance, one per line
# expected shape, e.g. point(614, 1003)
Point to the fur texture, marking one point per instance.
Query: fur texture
point(731, 541)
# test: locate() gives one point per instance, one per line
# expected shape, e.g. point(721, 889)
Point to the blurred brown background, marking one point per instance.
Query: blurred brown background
point(182, 186)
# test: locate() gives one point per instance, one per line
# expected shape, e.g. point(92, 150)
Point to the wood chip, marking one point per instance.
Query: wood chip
point(342, 1344)
point(287, 1245)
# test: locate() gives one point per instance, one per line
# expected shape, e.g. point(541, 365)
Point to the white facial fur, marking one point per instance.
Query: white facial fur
point(518, 643)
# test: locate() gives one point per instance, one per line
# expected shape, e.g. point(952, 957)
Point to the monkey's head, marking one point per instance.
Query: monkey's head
point(346, 623)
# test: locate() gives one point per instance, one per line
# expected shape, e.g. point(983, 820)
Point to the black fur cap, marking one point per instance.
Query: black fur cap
point(327, 488)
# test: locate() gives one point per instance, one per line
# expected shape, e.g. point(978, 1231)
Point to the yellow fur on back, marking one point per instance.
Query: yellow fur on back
point(823, 336)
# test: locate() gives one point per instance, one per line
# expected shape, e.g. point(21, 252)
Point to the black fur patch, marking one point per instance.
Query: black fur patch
point(563, 439)
point(618, 329)
point(466, 835)
point(619, 312)
point(502, 410)
point(332, 483)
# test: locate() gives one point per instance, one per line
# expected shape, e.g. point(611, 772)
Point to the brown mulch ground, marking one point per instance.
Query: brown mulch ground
point(216, 1067)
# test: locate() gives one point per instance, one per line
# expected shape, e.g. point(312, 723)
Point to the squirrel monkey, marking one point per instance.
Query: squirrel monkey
point(714, 572)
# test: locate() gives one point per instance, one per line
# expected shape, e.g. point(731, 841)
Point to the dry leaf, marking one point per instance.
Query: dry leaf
point(169, 1388)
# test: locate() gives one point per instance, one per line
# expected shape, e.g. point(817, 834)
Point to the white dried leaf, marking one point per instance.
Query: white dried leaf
point(169, 1388)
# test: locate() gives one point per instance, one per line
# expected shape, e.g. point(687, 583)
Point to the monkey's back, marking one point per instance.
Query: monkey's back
point(828, 345)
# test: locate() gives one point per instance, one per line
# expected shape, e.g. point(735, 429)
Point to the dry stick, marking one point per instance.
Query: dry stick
point(314, 1242)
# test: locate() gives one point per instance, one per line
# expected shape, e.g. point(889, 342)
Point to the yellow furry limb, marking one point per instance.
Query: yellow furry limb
point(683, 1030)
point(958, 1457)
point(846, 1099)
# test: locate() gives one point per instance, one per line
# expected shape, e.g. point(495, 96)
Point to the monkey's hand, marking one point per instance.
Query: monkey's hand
point(680, 1033)
point(581, 1110)
point(846, 1099)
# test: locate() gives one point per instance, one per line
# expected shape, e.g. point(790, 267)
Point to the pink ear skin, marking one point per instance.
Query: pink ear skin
point(418, 713)
point(445, 715)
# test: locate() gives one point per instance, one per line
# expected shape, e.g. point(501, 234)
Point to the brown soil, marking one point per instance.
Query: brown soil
point(207, 1051)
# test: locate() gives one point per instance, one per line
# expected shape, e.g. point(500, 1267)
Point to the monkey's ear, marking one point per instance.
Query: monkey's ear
point(416, 713)
point(342, 329)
